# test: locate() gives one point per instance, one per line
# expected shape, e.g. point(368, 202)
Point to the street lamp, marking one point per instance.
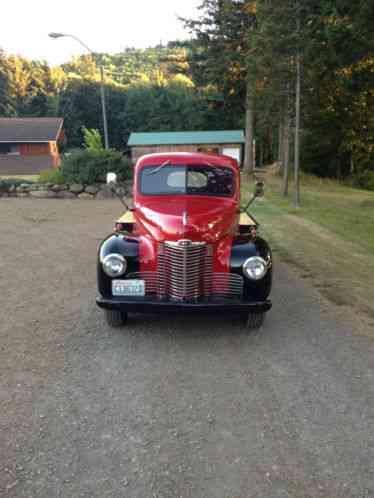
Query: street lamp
point(102, 88)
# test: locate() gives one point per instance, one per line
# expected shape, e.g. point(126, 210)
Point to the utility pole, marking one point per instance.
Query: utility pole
point(298, 109)
point(102, 82)
point(103, 107)
point(286, 148)
point(249, 128)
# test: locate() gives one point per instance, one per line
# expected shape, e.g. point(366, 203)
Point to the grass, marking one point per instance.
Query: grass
point(27, 178)
point(330, 238)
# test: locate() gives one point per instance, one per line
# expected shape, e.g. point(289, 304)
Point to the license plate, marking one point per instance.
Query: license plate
point(128, 287)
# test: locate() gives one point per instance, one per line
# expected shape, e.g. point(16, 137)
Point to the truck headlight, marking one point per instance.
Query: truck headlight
point(255, 268)
point(114, 265)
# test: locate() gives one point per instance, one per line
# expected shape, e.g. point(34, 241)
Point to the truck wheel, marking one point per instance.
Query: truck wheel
point(255, 320)
point(115, 318)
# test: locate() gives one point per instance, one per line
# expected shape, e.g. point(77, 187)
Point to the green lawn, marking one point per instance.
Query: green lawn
point(330, 238)
point(30, 178)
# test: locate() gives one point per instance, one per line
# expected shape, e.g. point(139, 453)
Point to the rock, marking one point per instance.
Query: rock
point(210, 419)
point(22, 194)
point(91, 189)
point(12, 189)
point(11, 486)
point(65, 194)
point(22, 189)
point(59, 188)
point(105, 193)
point(34, 187)
point(85, 195)
point(4, 194)
point(76, 188)
point(43, 194)
point(121, 191)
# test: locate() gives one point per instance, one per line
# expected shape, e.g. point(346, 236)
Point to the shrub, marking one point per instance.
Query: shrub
point(365, 180)
point(91, 166)
point(92, 139)
point(51, 176)
point(6, 183)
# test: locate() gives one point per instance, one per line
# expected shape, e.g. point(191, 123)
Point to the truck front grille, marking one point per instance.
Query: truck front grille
point(185, 273)
point(185, 270)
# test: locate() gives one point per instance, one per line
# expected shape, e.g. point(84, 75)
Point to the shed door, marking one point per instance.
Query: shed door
point(232, 152)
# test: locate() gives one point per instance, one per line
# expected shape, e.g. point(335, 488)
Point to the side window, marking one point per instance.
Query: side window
point(176, 179)
point(197, 179)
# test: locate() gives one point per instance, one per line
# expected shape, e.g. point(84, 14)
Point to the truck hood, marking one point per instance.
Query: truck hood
point(206, 219)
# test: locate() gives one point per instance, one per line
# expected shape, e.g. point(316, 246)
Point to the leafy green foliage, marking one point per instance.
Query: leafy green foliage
point(92, 139)
point(220, 57)
point(52, 175)
point(203, 83)
point(6, 183)
point(365, 180)
point(91, 166)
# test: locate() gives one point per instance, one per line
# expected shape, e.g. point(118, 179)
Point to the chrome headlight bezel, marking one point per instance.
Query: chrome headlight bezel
point(110, 271)
point(249, 268)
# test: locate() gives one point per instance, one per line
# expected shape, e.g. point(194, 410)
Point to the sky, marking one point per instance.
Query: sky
point(105, 25)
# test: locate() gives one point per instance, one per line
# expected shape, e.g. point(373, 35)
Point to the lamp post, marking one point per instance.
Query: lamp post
point(102, 88)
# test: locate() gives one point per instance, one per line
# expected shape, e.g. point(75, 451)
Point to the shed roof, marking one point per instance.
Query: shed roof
point(30, 129)
point(187, 138)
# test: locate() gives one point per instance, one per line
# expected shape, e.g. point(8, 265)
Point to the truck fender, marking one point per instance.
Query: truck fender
point(244, 248)
point(128, 247)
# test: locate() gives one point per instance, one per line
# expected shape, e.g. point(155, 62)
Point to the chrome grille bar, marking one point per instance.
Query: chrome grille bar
point(186, 273)
point(183, 269)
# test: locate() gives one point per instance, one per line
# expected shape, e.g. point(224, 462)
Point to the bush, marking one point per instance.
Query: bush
point(91, 166)
point(6, 183)
point(51, 176)
point(365, 180)
point(92, 139)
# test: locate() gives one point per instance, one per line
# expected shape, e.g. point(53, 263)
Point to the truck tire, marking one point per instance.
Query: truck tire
point(255, 321)
point(115, 318)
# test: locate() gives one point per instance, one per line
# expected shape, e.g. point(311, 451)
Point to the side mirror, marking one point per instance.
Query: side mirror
point(259, 189)
point(111, 178)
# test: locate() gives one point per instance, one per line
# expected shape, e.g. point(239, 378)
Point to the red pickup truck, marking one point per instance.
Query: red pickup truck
point(186, 245)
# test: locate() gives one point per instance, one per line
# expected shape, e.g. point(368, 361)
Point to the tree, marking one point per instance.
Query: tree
point(298, 110)
point(224, 41)
point(7, 99)
point(92, 139)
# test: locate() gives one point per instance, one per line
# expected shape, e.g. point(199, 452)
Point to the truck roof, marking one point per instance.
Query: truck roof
point(187, 158)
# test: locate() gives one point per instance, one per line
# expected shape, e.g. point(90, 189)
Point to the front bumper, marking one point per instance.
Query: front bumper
point(147, 305)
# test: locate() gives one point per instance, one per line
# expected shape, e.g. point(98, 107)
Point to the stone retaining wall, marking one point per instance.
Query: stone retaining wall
point(50, 191)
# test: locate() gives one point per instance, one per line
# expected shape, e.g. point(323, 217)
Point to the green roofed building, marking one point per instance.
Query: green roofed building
point(228, 143)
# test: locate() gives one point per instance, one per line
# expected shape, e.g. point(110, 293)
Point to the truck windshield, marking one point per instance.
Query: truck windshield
point(187, 180)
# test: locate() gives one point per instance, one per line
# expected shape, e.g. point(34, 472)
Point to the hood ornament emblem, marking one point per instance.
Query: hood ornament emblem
point(185, 219)
point(184, 243)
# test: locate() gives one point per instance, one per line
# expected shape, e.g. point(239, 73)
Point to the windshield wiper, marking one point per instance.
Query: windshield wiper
point(156, 170)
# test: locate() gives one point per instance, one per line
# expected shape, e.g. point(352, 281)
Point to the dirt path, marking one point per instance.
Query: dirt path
point(188, 407)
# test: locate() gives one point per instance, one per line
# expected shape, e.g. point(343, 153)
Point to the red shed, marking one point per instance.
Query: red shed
point(29, 145)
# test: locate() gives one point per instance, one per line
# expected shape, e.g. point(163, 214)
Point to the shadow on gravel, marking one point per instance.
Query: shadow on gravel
point(199, 326)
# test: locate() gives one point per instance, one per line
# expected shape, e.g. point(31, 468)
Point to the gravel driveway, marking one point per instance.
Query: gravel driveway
point(170, 407)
